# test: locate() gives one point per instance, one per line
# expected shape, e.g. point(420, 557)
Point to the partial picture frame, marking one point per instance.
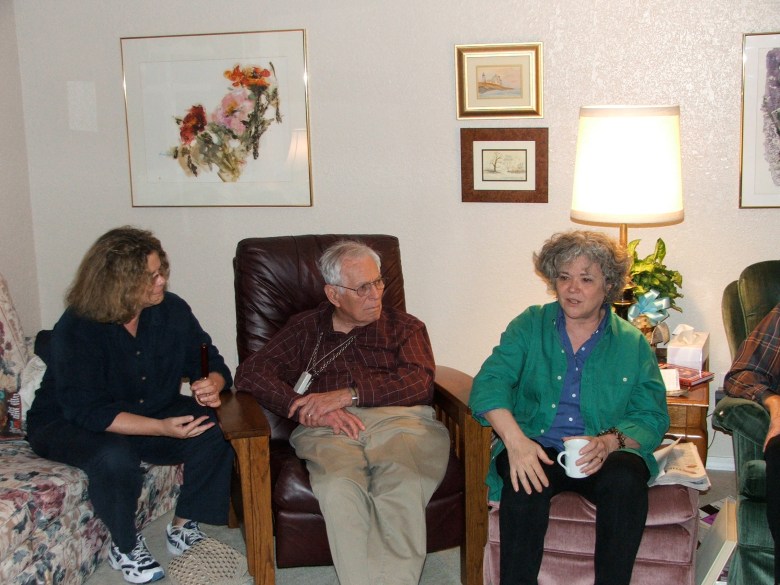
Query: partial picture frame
point(499, 81)
point(760, 152)
point(218, 119)
point(504, 165)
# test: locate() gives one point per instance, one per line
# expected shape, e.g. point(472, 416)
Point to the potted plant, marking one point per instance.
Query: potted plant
point(651, 273)
point(655, 288)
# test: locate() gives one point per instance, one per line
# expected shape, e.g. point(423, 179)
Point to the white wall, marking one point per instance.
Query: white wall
point(17, 252)
point(385, 146)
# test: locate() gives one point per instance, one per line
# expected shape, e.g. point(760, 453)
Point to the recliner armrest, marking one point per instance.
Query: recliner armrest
point(741, 416)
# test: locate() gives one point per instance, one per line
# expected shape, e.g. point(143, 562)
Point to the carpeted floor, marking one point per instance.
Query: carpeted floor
point(441, 568)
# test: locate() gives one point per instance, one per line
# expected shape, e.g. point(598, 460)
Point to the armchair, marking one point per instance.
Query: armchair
point(274, 279)
point(746, 302)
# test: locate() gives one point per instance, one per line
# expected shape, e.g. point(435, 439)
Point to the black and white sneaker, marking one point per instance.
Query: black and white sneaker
point(138, 566)
point(180, 538)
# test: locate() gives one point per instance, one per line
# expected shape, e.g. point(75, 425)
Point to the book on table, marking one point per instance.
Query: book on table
point(688, 376)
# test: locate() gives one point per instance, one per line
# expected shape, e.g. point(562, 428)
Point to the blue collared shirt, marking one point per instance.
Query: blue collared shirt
point(568, 418)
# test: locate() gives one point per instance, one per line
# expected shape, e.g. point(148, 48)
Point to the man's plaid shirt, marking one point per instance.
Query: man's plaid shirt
point(390, 362)
point(756, 369)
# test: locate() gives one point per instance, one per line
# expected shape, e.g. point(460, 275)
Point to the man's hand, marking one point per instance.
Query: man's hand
point(772, 404)
point(317, 405)
point(341, 421)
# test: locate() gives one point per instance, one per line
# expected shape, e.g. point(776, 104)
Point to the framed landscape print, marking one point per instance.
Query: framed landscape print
point(499, 81)
point(760, 156)
point(504, 165)
point(218, 119)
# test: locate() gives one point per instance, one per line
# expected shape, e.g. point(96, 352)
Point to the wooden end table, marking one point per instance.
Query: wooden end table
point(688, 417)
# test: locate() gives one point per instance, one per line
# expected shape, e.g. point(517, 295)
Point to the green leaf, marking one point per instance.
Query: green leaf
point(660, 250)
point(651, 273)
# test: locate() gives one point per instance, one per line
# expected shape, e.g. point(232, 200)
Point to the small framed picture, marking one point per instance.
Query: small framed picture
point(504, 165)
point(499, 81)
point(760, 156)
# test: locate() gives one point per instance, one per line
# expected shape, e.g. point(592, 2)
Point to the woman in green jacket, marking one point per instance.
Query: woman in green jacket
point(572, 369)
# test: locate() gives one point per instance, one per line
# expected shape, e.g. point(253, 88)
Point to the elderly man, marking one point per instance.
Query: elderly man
point(755, 375)
point(359, 379)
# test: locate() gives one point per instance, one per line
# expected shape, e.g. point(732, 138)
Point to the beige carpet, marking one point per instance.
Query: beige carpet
point(441, 568)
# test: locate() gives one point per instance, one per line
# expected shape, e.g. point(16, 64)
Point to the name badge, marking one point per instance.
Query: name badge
point(303, 383)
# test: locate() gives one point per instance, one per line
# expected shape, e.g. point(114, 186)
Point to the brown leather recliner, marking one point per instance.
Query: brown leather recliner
point(278, 277)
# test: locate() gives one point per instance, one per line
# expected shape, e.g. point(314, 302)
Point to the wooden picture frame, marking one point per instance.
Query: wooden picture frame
point(504, 165)
point(218, 119)
point(760, 152)
point(499, 81)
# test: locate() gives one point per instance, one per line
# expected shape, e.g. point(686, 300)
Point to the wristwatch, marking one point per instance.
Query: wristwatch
point(620, 436)
point(353, 390)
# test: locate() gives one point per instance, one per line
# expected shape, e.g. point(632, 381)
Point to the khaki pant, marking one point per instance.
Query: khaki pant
point(373, 491)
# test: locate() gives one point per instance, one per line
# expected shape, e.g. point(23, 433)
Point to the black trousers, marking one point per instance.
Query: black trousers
point(772, 458)
point(112, 463)
point(619, 491)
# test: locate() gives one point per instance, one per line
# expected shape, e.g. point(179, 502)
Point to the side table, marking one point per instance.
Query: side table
point(688, 417)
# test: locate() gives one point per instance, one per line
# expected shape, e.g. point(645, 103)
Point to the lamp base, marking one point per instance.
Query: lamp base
point(625, 301)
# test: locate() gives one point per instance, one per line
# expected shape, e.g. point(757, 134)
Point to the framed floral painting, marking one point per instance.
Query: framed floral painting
point(760, 157)
point(218, 119)
point(499, 81)
point(504, 165)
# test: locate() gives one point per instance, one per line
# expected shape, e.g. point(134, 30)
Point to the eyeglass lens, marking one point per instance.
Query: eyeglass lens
point(364, 289)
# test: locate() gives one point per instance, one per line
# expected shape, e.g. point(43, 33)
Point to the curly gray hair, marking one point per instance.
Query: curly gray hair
point(563, 248)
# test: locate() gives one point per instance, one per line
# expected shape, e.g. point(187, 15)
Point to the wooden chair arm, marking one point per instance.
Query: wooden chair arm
point(453, 386)
point(471, 442)
point(240, 416)
point(245, 425)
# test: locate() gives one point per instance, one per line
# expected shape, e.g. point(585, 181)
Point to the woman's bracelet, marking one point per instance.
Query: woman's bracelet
point(620, 436)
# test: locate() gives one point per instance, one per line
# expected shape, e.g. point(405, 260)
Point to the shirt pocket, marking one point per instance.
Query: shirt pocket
point(613, 393)
point(378, 357)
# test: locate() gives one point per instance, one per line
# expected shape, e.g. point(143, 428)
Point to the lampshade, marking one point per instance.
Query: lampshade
point(627, 169)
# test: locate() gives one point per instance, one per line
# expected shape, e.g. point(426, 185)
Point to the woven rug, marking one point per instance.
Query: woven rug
point(209, 562)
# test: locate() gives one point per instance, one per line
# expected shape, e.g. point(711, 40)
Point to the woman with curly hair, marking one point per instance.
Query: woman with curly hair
point(572, 369)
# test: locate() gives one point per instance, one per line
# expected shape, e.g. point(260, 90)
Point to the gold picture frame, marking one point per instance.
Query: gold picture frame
point(499, 81)
point(760, 152)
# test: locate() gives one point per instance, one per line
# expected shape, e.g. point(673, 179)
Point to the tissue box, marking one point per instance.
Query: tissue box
point(689, 354)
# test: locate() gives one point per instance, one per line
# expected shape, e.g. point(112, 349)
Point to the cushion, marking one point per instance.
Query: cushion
point(14, 355)
point(752, 525)
point(752, 480)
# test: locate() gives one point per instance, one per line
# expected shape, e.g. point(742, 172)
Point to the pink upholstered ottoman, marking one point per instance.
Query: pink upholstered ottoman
point(666, 554)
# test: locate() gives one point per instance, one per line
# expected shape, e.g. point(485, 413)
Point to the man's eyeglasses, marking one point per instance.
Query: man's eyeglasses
point(364, 289)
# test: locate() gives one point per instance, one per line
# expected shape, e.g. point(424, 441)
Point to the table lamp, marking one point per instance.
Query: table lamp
point(627, 171)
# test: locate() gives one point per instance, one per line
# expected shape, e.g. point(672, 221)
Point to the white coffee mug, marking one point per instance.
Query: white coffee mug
point(570, 454)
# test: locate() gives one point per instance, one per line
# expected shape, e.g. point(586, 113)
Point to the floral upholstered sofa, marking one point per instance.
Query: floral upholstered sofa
point(48, 530)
